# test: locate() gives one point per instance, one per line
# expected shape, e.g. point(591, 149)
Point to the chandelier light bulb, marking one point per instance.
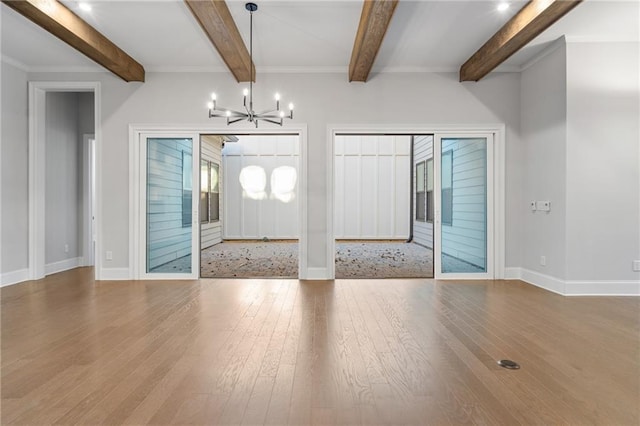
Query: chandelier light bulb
point(213, 96)
point(281, 114)
point(503, 6)
point(228, 113)
point(277, 96)
point(245, 92)
point(210, 105)
point(291, 106)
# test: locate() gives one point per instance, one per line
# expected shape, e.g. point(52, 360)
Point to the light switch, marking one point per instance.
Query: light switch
point(532, 205)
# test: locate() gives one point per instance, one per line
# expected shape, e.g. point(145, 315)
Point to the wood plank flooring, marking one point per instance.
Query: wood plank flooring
point(250, 352)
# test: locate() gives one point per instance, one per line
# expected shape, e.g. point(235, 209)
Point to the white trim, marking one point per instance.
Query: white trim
point(135, 130)
point(575, 287)
point(37, 152)
point(546, 282)
point(513, 273)
point(15, 63)
point(88, 199)
point(63, 265)
point(602, 288)
point(115, 274)
point(14, 277)
point(316, 274)
point(499, 166)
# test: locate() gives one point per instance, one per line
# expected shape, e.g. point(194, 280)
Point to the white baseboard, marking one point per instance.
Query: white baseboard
point(574, 287)
point(316, 274)
point(602, 288)
point(114, 274)
point(63, 265)
point(546, 282)
point(512, 273)
point(14, 277)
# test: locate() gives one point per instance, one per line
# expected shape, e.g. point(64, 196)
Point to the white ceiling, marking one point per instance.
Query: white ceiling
point(306, 35)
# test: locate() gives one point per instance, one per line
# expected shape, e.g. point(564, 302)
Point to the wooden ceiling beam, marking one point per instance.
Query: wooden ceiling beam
point(535, 17)
point(374, 21)
point(218, 24)
point(60, 21)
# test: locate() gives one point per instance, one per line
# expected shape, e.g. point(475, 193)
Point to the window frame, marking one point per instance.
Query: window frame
point(446, 209)
point(186, 213)
point(216, 192)
point(421, 206)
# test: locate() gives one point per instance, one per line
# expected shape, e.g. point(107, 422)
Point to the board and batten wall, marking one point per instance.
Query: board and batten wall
point(372, 186)
point(422, 151)
point(465, 237)
point(256, 211)
point(167, 238)
point(211, 150)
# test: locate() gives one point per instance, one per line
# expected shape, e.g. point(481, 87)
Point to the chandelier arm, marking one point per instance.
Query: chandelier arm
point(235, 113)
point(267, 111)
point(236, 120)
point(279, 123)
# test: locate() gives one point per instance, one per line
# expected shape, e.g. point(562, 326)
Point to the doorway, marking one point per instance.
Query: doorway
point(249, 206)
point(63, 177)
point(269, 204)
point(461, 203)
point(376, 208)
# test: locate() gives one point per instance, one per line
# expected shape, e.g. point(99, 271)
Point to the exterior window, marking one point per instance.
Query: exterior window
point(204, 191)
point(430, 190)
point(447, 188)
point(187, 188)
point(214, 194)
point(421, 213)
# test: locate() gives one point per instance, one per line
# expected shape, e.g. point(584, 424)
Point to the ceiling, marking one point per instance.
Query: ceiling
point(306, 35)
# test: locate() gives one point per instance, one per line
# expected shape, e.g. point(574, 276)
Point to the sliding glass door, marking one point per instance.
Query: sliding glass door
point(464, 206)
point(169, 206)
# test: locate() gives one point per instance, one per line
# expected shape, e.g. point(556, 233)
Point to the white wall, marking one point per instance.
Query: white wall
point(603, 161)
point(544, 128)
point(262, 213)
point(321, 100)
point(372, 177)
point(15, 195)
point(211, 231)
point(422, 151)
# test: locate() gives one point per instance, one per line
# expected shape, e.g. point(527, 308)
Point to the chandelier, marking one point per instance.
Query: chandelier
point(275, 116)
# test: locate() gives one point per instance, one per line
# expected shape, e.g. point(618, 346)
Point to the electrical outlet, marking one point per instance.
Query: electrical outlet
point(532, 205)
point(543, 260)
point(66, 248)
point(109, 255)
point(544, 206)
point(636, 265)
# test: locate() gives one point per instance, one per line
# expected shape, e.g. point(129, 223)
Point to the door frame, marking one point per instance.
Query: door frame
point(140, 269)
point(490, 221)
point(136, 130)
point(499, 163)
point(89, 200)
point(37, 134)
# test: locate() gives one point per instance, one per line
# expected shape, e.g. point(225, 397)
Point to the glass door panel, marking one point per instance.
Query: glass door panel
point(170, 206)
point(464, 205)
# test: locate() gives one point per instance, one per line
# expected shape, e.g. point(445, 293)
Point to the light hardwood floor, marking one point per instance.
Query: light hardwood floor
point(293, 352)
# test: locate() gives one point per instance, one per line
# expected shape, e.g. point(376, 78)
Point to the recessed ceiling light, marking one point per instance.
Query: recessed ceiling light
point(503, 6)
point(85, 7)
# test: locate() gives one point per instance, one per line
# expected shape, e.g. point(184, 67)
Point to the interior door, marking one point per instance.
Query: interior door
point(464, 206)
point(169, 185)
